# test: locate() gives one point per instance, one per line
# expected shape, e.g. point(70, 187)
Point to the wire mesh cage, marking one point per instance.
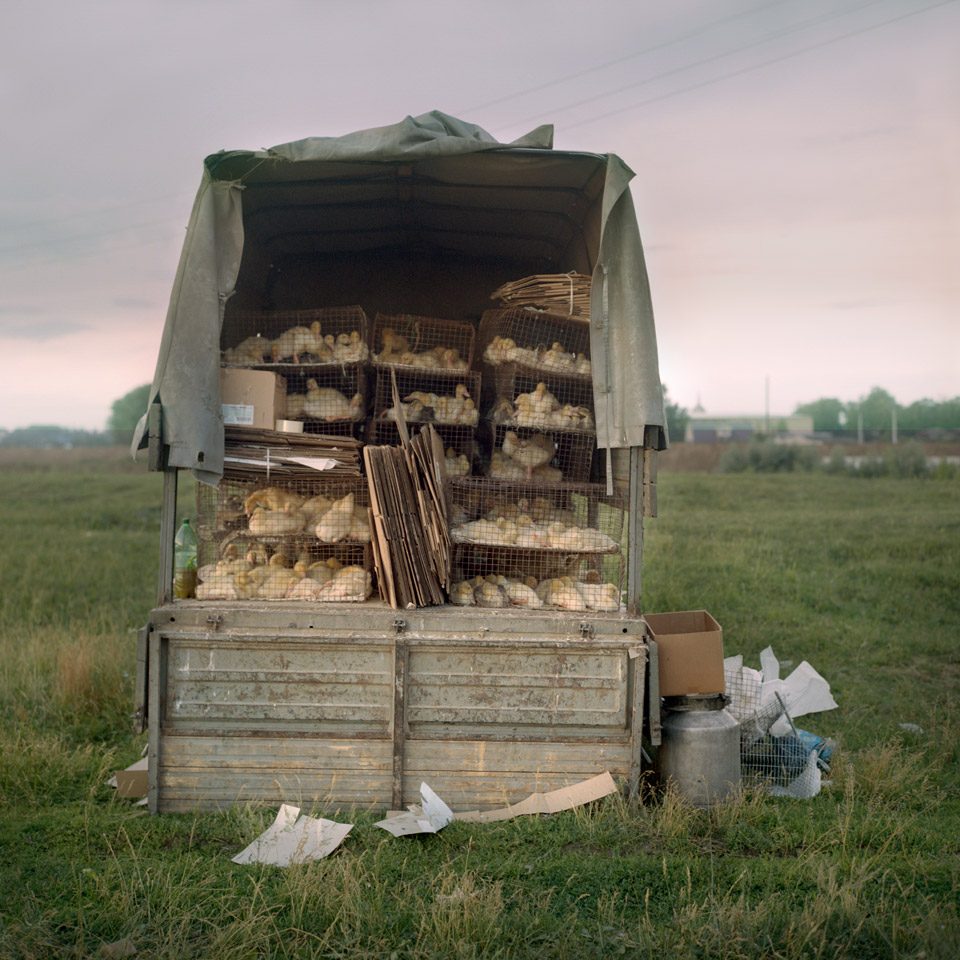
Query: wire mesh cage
point(771, 748)
point(523, 532)
point(523, 453)
point(459, 443)
point(515, 397)
point(451, 397)
point(510, 577)
point(327, 396)
point(329, 335)
point(258, 539)
point(543, 342)
point(423, 342)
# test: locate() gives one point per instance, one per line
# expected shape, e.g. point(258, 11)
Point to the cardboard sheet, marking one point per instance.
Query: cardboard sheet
point(565, 798)
point(294, 839)
point(430, 816)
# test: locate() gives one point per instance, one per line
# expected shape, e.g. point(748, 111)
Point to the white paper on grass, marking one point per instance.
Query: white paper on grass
point(430, 816)
point(805, 786)
point(769, 664)
point(290, 839)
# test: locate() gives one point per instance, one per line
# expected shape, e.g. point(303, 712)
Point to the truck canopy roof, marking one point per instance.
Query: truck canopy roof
point(432, 211)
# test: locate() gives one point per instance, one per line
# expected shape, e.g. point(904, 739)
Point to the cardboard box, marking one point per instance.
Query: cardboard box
point(690, 649)
point(253, 398)
point(132, 782)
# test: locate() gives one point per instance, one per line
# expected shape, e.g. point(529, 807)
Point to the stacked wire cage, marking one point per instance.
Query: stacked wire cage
point(536, 545)
point(321, 354)
point(772, 750)
point(447, 400)
point(538, 396)
point(543, 343)
point(423, 343)
point(296, 538)
point(279, 339)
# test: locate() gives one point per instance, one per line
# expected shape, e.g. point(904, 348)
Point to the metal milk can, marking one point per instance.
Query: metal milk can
point(700, 749)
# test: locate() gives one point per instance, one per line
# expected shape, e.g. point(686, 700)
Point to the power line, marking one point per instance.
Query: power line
point(630, 56)
point(84, 214)
point(786, 31)
point(758, 66)
point(15, 247)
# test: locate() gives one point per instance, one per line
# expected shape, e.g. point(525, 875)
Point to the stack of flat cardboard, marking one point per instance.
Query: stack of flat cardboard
point(251, 453)
point(411, 544)
point(564, 293)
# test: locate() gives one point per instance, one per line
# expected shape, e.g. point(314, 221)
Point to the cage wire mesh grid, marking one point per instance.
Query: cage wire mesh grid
point(282, 338)
point(515, 397)
point(540, 456)
point(770, 748)
point(435, 396)
point(423, 342)
point(262, 539)
point(543, 343)
point(565, 545)
point(326, 397)
point(459, 442)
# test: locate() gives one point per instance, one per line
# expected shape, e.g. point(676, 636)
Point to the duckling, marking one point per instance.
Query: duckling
point(450, 409)
point(316, 507)
point(547, 474)
point(461, 594)
point(278, 583)
point(272, 498)
point(350, 348)
point(560, 593)
point(600, 596)
point(556, 358)
point(531, 452)
point(541, 400)
point(293, 342)
point(276, 523)
point(456, 466)
point(505, 468)
point(336, 523)
point(520, 595)
point(326, 403)
point(450, 359)
point(583, 367)
point(349, 583)
point(490, 595)
point(394, 344)
point(522, 355)
point(248, 352)
point(496, 351)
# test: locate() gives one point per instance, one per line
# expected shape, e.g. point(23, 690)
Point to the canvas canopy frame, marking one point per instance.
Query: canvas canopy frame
point(425, 216)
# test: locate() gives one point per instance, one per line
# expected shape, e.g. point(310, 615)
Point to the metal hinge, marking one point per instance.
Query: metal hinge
point(399, 625)
point(586, 630)
point(215, 620)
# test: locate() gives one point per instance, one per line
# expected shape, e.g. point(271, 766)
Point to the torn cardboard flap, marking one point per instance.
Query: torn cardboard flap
point(132, 782)
point(294, 839)
point(566, 798)
point(430, 816)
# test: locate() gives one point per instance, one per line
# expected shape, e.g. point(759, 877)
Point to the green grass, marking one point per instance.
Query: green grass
point(860, 578)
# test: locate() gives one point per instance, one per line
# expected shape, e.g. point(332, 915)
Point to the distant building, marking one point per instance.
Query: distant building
point(739, 429)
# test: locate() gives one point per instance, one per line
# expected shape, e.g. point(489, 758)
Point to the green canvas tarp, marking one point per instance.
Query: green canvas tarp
point(568, 210)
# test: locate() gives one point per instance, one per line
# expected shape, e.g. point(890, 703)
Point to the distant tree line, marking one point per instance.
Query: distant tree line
point(124, 414)
point(831, 415)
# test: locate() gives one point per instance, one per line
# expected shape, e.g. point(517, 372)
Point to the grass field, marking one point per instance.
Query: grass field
point(862, 578)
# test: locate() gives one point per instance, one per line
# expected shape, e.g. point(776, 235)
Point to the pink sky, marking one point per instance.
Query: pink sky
point(801, 218)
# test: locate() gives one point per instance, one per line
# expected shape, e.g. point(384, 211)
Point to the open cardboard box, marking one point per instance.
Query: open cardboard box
point(253, 398)
point(132, 782)
point(690, 650)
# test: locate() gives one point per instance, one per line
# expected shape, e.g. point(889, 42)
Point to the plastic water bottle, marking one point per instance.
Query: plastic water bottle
point(185, 562)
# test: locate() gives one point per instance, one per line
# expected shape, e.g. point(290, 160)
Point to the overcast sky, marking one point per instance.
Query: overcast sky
point(797, 168)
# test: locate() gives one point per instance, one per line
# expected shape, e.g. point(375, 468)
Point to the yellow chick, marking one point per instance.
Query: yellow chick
point(531, 452)
point(461, 594)
point(276, 523)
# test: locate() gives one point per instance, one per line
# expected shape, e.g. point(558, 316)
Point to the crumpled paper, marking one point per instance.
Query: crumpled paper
point(294, 839)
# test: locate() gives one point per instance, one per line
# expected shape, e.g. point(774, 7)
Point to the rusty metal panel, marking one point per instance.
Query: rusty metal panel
point(487, 773)
point(536, 692)
point(215, 772)
point(231, 687)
